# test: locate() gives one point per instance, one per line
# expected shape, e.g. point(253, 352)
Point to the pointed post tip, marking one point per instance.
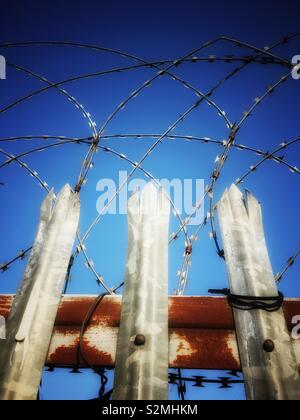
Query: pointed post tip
point(234, 189)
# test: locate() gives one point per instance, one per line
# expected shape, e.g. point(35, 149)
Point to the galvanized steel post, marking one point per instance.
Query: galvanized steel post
point(31, 320)
point(142, 349)
point(267, 357)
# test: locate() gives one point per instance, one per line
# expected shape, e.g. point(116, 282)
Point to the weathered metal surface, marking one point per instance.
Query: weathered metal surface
point(188, 348)
point(200, 312)
point(141, 371)
point(268, 375)
point(206, 339)
point(32, 316)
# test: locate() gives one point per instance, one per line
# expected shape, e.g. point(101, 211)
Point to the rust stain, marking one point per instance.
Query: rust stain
point(200, 312)
point(203, 327)
point(67, 354)
point(95, 356)
point(202, 349)
point(5, 305)
point(63, 355)
point(209, 349)
point(73, 310)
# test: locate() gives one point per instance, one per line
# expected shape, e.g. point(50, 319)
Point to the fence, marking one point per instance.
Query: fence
point(266, 363)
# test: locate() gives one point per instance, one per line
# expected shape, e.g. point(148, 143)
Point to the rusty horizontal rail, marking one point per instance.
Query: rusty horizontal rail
point(201, 331)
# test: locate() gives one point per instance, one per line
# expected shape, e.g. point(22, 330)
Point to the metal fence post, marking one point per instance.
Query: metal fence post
point(270, 371)
point(31, 320)
point(142, 350)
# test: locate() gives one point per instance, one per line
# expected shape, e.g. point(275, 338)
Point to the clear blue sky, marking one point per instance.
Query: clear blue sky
point(153, 30)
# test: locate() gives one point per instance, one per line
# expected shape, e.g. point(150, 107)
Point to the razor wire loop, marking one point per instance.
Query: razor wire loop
point(183, 81)
point(88, 159)
point(89, 263)
point(227, 146)
point(34, 174)
point(44, 185)
point(71, 98)
point(224, 382)
point(145, 63)
point(170, 65)
point(283, 145)
point(265, 51)
point(271, 156)
point(250, 303)
point(245, 60)
point(64, 141)
point(232, 135)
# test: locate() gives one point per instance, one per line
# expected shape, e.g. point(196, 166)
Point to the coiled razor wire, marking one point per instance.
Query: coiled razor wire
point(262, 56)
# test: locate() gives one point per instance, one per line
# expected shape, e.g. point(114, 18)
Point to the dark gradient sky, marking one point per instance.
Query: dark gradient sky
point(153, 30)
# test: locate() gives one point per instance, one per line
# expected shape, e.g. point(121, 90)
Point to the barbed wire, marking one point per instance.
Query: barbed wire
point(86, 140)
point(232, 136)
point(225, 382)
point(290, 262)
point(265, 52)
point(177, 379)
point(253, 168)
point(70, 97)
point(20, 256)
point(219, 164)
point(43, 184)
point(87, 163)
point(88, 159)
point(81, 247)
point(263, 56)
point(183, 273)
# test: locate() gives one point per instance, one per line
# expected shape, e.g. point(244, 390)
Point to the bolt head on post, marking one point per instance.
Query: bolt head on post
point(139, 340)
point(269, 346)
